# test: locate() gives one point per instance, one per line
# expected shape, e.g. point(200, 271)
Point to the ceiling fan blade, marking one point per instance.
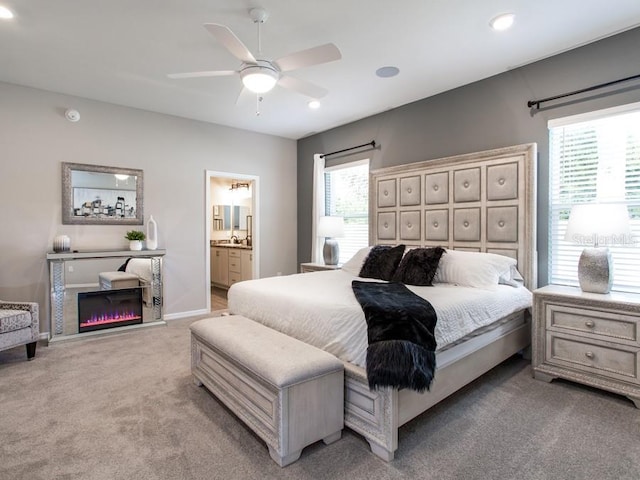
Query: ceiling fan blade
point(306, 58)
point(232, 43)
point(244, 96)
point(302, 86)
point(212, 73)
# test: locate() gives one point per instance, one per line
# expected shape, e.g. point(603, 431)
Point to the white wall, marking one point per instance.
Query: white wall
point(174, 154)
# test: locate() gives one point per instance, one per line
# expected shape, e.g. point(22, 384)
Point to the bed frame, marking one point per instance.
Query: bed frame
point(482, 202)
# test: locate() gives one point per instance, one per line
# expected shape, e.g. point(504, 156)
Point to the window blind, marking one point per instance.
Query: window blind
point(347, 196)
point(595, 158)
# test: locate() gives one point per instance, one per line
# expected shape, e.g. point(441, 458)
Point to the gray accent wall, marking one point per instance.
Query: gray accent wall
point(174, 154)
point(487, 114)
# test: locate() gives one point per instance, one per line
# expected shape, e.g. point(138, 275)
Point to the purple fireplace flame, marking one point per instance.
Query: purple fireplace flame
point(109, 308)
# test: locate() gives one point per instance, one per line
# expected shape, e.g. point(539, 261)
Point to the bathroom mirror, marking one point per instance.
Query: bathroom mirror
point(99, 195)
point(230, 217)
point(222, 217)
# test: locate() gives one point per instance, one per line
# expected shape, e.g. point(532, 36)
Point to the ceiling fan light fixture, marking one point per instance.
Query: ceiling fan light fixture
point(259, 78)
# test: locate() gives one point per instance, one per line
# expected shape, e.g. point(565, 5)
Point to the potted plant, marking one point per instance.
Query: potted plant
point(135, 238)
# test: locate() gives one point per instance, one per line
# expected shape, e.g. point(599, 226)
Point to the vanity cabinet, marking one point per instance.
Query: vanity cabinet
point(220, 266)
point(230, 265)
point(247, 264)
point(235, 266)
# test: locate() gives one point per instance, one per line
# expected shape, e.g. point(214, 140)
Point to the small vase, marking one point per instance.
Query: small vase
point(61, 243)
point(135, 244)
point(152, 234)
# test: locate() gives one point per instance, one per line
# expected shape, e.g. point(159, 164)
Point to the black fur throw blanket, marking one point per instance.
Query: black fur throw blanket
point(402, 344)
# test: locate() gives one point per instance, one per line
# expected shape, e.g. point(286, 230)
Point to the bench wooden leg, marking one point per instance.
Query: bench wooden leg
point(31, 350)
point(380, 451)
point(334, 437)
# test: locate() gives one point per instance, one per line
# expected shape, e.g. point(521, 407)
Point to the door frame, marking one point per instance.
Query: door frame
point(255, 212)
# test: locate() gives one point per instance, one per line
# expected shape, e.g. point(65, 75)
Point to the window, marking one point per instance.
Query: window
point(346, 190)
point(595, 158)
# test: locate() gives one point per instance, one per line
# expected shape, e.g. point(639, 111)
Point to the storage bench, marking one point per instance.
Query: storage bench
point(289, 393)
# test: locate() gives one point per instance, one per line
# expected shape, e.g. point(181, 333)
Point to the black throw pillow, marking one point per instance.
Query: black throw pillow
point(418, 266)
point(382, 261)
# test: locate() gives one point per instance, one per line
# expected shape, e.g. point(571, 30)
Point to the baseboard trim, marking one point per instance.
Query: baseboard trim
point(179, 315)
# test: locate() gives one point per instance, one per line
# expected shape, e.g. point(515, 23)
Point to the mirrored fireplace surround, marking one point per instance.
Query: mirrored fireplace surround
point(64, 288)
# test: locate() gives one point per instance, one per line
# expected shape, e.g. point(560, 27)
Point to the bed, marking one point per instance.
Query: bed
point(481, 202)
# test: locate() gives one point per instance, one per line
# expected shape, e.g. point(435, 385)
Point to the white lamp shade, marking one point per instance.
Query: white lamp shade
point(331, 227)
point(598, 223)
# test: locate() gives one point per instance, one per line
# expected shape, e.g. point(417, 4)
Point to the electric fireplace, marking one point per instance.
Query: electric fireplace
point(109, 308)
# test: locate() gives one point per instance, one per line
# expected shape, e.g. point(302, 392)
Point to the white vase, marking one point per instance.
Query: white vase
point(61, 243)
point(135, 244)
point(152, 234)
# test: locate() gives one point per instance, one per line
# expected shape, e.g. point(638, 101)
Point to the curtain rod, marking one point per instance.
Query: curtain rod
point(371, 144)
point(537, 103)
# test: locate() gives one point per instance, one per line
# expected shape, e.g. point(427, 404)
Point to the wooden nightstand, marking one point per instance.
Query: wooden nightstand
point(589, 338)
point(316, 267)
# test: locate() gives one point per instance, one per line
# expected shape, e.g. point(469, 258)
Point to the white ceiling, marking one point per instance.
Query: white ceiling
point(119, 51)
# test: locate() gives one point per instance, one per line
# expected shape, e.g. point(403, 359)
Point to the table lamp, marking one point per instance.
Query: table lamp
point(593, 224)
point(330, 228)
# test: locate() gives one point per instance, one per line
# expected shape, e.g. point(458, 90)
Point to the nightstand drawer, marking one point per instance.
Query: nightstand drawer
point(596, 323)
point(620, 362)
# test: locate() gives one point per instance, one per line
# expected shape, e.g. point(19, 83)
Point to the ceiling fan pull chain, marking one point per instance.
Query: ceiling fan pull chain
point(258, 100)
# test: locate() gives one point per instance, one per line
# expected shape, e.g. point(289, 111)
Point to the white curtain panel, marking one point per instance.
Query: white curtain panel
point(318, 208)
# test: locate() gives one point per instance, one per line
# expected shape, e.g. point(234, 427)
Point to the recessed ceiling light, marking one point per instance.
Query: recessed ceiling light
point(5, 13)
point(386, 72)
point(314, 104)
point(502, 21)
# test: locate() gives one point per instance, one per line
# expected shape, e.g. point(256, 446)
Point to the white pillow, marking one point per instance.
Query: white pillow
point(512, 278)
point(474, 269)
point(354, 264)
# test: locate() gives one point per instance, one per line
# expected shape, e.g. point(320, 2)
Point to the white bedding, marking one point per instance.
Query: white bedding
point(320, 308)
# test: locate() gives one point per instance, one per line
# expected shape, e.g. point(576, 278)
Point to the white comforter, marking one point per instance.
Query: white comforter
point(320, 308)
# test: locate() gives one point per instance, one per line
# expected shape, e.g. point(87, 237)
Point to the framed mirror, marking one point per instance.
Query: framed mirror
point(99, 195)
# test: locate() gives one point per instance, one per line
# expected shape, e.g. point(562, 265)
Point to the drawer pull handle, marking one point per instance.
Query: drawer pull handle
point(589, 355)
point(589, 324)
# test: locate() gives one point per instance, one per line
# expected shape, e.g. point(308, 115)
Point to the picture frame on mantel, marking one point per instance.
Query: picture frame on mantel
point(101, 195)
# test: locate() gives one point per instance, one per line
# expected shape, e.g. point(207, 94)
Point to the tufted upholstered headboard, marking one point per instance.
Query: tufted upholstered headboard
point(482, 201)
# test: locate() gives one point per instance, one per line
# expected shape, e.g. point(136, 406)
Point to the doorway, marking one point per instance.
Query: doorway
point(231, 215)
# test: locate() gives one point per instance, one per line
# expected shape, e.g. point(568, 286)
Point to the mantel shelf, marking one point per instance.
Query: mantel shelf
point(78, 254)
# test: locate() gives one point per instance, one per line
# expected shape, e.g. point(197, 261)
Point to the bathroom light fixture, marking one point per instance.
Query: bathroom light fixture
point(259, 78)
point(314, 104)
point(5, 13)
point(239, 185)
point(240, 190)
point(502, 22)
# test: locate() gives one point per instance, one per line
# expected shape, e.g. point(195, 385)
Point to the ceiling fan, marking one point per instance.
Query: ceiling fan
point(260, 75)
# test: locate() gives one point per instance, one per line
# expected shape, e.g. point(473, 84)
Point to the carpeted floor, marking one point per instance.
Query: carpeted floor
point(125, 407)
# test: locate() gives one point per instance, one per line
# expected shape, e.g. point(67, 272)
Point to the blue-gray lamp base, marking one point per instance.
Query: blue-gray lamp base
point(595, 270)
point(330, 251)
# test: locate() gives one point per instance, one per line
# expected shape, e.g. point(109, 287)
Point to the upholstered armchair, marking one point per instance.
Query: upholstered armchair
point(19, 325)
